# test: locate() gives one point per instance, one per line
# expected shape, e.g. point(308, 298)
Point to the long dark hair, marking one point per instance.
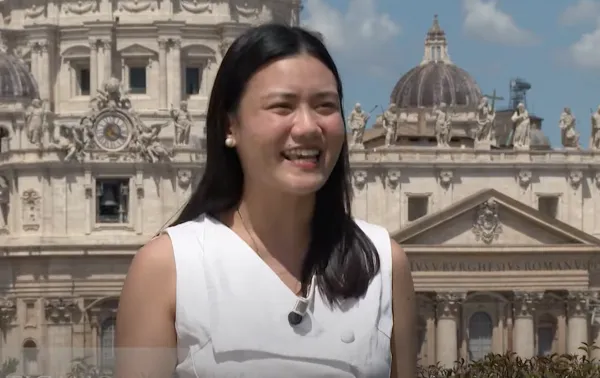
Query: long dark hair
point(340, 253)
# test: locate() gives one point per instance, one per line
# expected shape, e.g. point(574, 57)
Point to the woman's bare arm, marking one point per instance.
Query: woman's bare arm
point(404, 333)
point(145, 331)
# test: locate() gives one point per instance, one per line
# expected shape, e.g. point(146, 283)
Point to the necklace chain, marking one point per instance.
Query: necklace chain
point(255, 247)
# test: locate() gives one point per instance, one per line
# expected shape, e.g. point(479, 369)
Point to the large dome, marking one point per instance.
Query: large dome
point(432, 83)
point(436, 79)
point(16, 81)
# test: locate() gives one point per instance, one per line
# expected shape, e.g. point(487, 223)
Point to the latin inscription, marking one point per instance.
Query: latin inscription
point(500, 266)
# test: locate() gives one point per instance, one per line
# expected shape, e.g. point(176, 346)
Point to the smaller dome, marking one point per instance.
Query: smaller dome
point(16, 81)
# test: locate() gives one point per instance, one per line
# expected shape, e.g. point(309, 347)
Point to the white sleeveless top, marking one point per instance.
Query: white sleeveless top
point(231, 313)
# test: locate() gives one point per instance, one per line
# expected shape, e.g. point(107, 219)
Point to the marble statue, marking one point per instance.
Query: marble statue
point(111, 95)
point(568, 133)
point(486, 117)
point(521, 128)
point(147, 145)
point(595, 138)
point(37, 122)
point(358, 121)
point(443, 125)
point(389, 121)
point(182, 121)
point(70, 140)
point(4, 200)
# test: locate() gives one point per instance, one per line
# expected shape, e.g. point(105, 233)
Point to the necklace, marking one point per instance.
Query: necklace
point(255, 249)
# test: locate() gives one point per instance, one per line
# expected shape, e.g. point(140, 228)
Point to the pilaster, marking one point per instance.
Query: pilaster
point(448, 310)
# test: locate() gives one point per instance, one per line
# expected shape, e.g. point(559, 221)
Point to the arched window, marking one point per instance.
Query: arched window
point(3, 139)
point(480, 335)
point(30, 358)
point(546, 333)
point(422, 334)
point(107, 343)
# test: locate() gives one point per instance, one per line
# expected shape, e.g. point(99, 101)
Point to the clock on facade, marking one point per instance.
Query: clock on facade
point(113, 131)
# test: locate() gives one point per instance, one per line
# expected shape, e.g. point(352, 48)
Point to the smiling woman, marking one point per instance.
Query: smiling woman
point(266, 271)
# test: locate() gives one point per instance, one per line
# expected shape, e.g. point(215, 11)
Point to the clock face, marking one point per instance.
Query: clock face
point(113, 132)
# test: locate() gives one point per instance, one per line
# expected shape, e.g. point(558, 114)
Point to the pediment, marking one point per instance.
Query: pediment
point(136, 50)
point(489, 217)
point(199, 52)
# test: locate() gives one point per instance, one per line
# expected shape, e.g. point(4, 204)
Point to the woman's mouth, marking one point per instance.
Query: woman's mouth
point(299, 155)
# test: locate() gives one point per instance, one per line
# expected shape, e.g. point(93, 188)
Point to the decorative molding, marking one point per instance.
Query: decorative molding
point(359, 178)
point(184, 178)
point(525, 303)
point(524, 178)
point(575, 178)
point(446, 177)
point(578, 303)
point(224, 45)
point(60, 310)
point(8, 311)
point(487, 226)
point(197, 6)
point(393, 178)
point(32, 208)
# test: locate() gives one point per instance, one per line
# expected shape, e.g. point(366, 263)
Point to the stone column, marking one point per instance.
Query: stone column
point(162, 76)
point(446, 338)
point(107, 55)
point(93, 66)
point(577, 322)
point(176, 70)
point(523, 326)
point(34, 50)
point(44, 71)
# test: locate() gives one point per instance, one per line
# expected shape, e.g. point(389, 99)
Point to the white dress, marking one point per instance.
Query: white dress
point(232, 309)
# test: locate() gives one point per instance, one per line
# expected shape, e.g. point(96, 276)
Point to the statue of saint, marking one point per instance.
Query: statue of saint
point(569, 136)
point(389, 120)
point(36, 122)
point(595, 139)
point(358, 121)
point(486, 116)
point(521, 127)
point(443, 125)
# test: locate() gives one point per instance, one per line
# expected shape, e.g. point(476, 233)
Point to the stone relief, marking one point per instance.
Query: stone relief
point(524, 177)
point(595, 138)
point(111, 125)
point(448, 303)
point(569, 136)
point(35, 9)
point(59, 310)
point(393, 178)
point(443, 125)
point(31, 202)
point(577, 302)
point(37, 121)
point(224, 45)
point(4, 204)
point(182, 123)
point(486, 117)
point(360, 178)
point(8, 311)
point(521, 136)
point(184, 178)
point(196, 6)
point(525, 302)
point(487, 227)
point(136, 6)
point(79, 7)
point(446, 177)
point(358, 121)
point(575, 178)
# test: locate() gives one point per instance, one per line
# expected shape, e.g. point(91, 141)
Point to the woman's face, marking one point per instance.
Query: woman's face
point(289, 128)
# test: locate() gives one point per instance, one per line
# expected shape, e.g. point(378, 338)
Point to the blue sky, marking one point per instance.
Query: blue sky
point(554, 46)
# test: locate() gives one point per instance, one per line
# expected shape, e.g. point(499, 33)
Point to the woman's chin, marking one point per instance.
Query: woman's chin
point(302, 184)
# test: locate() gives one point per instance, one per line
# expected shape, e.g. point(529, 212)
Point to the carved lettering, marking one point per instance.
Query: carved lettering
point(499, 266)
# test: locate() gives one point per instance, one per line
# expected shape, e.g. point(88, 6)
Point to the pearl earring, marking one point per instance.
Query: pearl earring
point(229, 142)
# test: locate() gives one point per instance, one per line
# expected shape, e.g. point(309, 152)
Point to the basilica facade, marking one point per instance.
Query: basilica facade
point(102, 107)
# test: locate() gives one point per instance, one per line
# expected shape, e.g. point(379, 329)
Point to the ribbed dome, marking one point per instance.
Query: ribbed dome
point(432, 83)
point(16, 82)
point(436, 79)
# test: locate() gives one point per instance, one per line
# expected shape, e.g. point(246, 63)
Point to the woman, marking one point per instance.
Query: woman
point(265, 273)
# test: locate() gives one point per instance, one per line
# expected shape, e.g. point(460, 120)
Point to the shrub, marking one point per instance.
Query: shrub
point(9, 367)
point(509, 365)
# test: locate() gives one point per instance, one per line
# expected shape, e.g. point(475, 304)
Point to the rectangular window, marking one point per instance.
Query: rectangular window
point(112, 200)
point(548, 205)
point(417, 207)
point(83, 81)
point(192, 80)
point(137, 80)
